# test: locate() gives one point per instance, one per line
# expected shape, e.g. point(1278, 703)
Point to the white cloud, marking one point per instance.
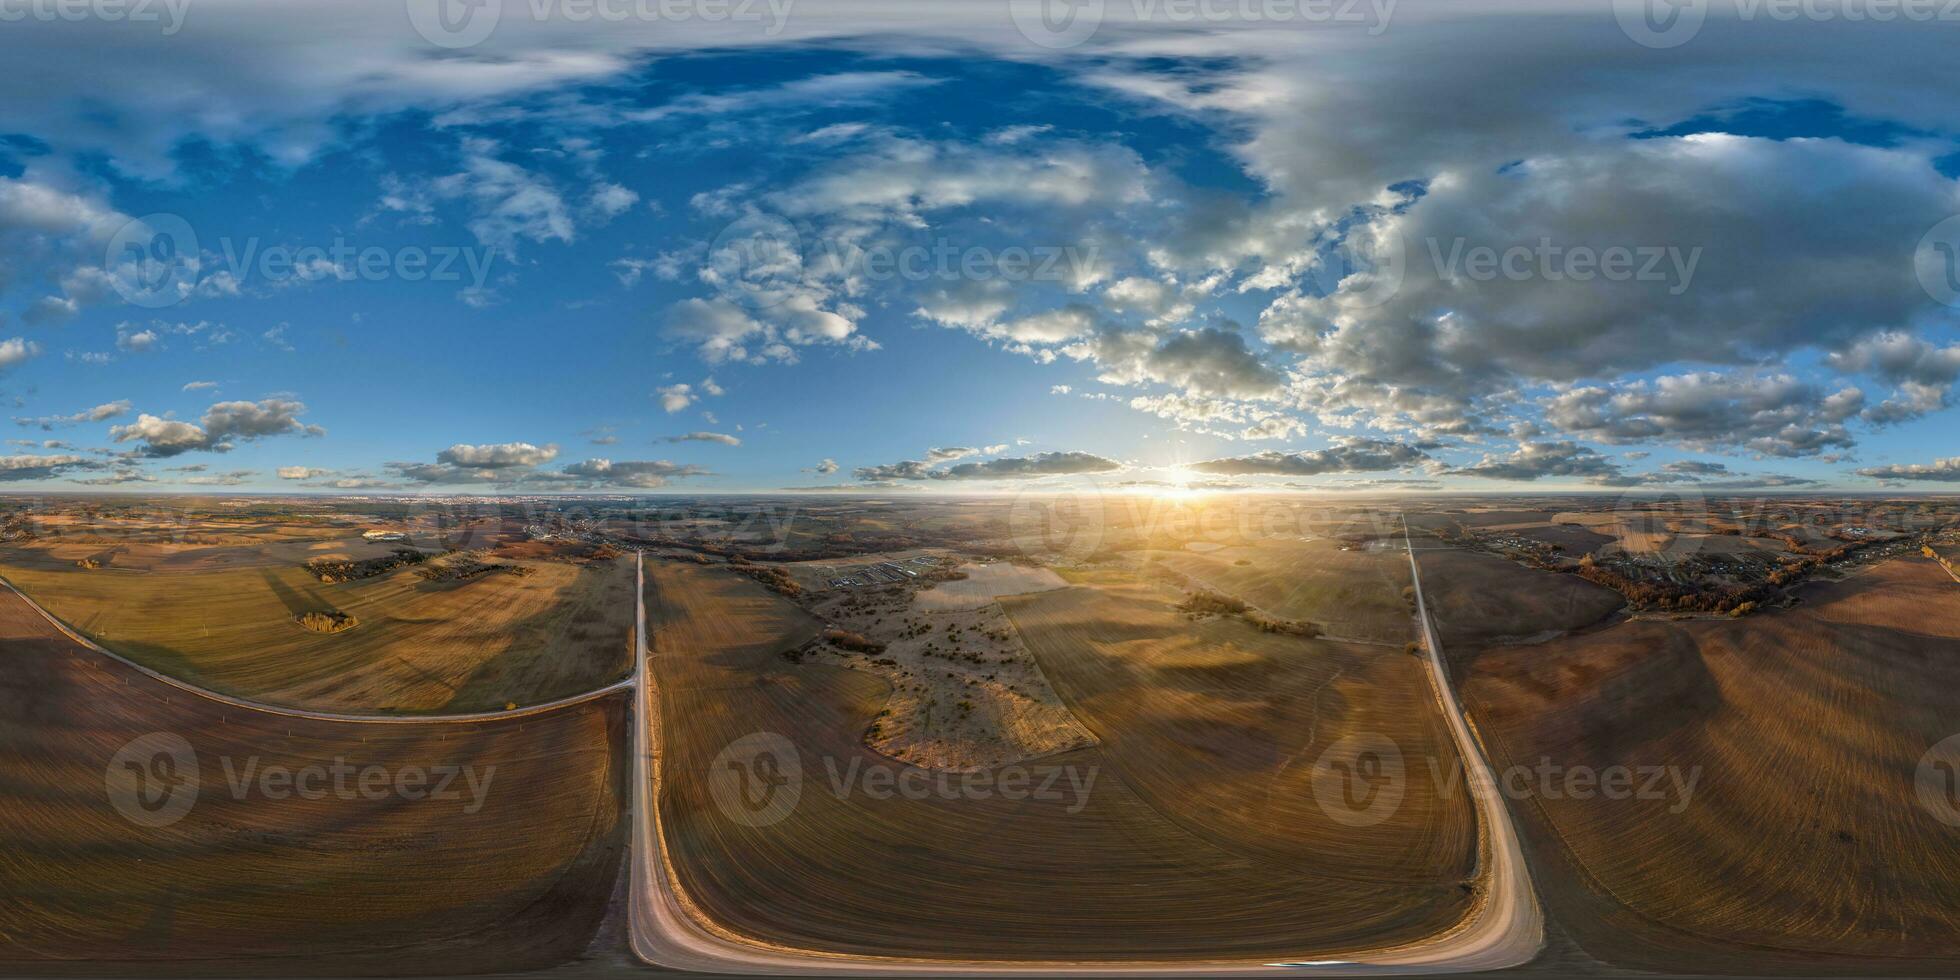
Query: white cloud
point(676, 397)
point(720, 437)
point(218, 430)
point(1939, 471)
point(494, 456)
point(1354, 456)
point(640, 475)
point(135, 341)
point(1006, 467)
point(16, 350)
point(41, 467)
point(99, 413)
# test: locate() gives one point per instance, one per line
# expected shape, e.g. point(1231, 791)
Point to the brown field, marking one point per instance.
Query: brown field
point(1223, 724)
point(1575, 540)
point(1477, 599)
point(1073, 876)
point(226, 617)
point(1497, 517)
point(1804, 837)
point(984, 583)
point(1350, 594)
point(327, 886)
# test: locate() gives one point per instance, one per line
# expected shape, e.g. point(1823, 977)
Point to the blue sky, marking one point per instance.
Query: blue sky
point(875, 251)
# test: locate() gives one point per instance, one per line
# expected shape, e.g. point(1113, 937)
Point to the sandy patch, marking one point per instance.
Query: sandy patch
point(966, 693)
point(985, 583)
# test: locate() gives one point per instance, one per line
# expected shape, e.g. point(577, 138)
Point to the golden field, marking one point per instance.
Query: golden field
point(1193, 819)
point(511, 874)
point(1804, 844)
point(1353, 594)
point(225, 617)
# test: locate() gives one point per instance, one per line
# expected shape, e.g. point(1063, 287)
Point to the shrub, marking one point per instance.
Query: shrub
point(1205, 602)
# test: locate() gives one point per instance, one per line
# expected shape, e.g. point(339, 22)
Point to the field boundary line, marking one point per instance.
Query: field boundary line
point(291, 712)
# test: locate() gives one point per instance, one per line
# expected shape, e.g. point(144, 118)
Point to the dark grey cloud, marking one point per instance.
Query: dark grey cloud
point(515, 465)
point(1537, 460)
point(1206, 362)
point(1040, 464)
point(1357, 456)
point(1006, 467)
point(1695, 468)
point(630, 474)
point(1771, 414)
point(41, 467)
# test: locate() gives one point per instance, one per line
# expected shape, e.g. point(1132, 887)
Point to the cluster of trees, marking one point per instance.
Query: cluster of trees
point(773, 577)
point(1290, 627)
point(847, 640)
point(1205, 602)
point(465, 566)
point(1642, 594)
point(332, 571)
